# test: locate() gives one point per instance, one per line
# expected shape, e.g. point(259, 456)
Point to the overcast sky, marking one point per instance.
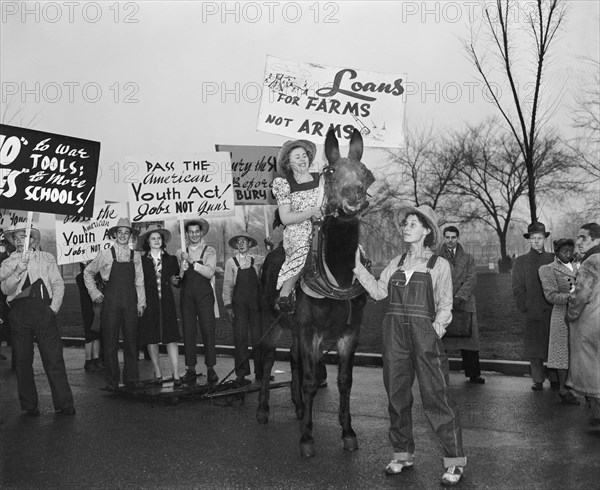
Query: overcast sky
point(173, 77)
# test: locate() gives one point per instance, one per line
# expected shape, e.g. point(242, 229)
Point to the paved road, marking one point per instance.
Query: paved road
point(514, 438)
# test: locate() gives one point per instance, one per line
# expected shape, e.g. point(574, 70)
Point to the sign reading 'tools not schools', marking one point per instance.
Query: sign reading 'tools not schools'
point(181, 186)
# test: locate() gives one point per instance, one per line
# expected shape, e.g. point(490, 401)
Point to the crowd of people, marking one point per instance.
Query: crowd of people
point(429, 292)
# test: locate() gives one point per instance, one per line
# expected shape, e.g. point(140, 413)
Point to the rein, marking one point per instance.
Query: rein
point(315, 274)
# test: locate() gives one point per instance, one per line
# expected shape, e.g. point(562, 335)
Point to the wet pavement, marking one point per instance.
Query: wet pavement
point(513, 437)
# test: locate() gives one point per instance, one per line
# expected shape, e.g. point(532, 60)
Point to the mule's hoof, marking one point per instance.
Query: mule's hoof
point(307, 450)
point(299, 413)
point(350, 443)
point(262, 417)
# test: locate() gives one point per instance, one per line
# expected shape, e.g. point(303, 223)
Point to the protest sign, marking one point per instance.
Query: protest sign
point(302, 100)
point(78, 239)
point(254, 168)
point(11, 219)
point(181, 186)
point(46, 172)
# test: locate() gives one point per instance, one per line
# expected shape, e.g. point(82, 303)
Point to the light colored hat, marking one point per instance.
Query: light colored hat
point(122, 223)
point(204, 226)
point(428, 214)
point(35, 233)
point(233, 241)
point(309, 147)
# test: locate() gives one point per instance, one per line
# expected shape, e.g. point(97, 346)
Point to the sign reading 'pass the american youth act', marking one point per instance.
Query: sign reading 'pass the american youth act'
point(181, 186)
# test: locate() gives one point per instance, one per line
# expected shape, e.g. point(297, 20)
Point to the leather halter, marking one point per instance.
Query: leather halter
point(316, 275)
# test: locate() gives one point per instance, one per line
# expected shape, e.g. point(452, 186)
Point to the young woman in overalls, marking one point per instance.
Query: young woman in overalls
point(419, 286)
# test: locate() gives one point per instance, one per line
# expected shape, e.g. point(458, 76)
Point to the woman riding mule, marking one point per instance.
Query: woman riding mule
point(297, 193)
point(336, 313)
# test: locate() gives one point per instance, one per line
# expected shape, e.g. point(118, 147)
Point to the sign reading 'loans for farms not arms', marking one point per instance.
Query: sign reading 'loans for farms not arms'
point(181, 186)
point(303, 100)
point(46, 172)
point(254, 168)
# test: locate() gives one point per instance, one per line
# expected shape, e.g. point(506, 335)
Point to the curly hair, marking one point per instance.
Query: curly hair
point(285, 168)
point(562, 242)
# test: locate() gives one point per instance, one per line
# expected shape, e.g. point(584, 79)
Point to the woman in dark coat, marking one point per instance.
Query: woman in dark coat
point(159, 321)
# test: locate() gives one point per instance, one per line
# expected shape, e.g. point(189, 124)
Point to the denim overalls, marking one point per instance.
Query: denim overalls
point(411, 346)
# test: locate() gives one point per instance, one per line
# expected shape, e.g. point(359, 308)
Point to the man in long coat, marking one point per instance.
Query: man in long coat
point(464, 279)
point(529, 295)
point(583, 315)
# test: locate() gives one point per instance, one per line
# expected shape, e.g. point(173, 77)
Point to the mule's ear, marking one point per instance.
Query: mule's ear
point(356, 146)
point(332, 148)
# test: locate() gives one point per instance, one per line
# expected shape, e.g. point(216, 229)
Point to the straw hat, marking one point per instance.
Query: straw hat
point(233, 241)
point(309, 147)
point(122, 223)
point(428, 214)
point(204, 226)
point(166, 235)
point(35, 234)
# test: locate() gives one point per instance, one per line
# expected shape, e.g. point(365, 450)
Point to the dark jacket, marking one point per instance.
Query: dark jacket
point(529, 295)
point(152, 330)
point(464, 279)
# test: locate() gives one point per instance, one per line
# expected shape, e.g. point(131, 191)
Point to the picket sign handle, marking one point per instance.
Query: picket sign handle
point(182, 234)
point(27, 231)
point(266, 220)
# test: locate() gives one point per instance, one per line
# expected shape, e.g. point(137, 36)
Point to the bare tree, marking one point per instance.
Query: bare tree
point(586, 119)
point(543, 22)
point(413, 177)
point(16, 114)
point(493, 178)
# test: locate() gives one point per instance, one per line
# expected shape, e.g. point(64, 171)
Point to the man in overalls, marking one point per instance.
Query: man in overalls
point(32, 283)
point(198, 262)
point(241, 299)
point(123, 302)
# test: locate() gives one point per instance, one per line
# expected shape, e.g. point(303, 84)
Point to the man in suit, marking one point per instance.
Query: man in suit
point(464, 278)
point(34, 289)
point(529, 295)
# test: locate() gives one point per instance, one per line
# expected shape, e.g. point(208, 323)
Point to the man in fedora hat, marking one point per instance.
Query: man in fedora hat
point(123, 302)
point(197, 267)
point(34, 289)
point(530, 299)
point(241, 300)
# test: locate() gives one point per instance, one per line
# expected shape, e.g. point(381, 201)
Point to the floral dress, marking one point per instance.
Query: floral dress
point(296, 237)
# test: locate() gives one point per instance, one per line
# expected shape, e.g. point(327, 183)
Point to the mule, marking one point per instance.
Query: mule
point(329, 304)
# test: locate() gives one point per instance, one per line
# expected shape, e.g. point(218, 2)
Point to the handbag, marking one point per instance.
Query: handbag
point(461, 324)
